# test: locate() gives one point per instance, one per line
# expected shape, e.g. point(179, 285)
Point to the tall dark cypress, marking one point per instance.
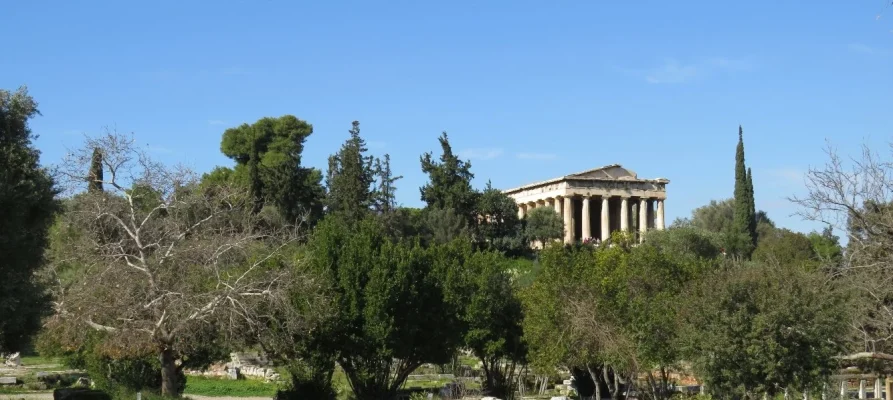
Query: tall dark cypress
point(744, 236)
point(752, 228)
point(94, 179)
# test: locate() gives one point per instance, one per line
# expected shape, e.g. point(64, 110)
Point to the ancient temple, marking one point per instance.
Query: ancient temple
point(599, 201)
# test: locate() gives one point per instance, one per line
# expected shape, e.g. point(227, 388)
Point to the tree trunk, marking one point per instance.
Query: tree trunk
point(168, 373)
point(598, 388)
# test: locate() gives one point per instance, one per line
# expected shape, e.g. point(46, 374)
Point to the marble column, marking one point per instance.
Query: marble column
point(606, 220)
point(624, 215)
point(862, 389)
point(558, 204)
point(587, 228)
point(522, 208)
point(643, 217)
point(568, 220)
point(843, 389)
point(889, 388)
point(877, 387)
point(660, 214)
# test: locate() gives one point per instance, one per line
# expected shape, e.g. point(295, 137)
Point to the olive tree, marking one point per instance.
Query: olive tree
point(155, 260)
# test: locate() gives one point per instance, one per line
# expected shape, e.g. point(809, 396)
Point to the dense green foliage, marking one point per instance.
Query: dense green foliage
point(762, 328)
point(617, 318)
point(27, 209)
point(494, 316)
point(392, 301)
point(449, 185)
point(350, 178)
point(499, 227)
point(268, 159)
point(544, 224)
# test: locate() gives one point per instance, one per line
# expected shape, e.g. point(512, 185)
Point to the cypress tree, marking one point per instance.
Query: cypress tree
point(744, 227)
point(95, 176)
point(752, 228)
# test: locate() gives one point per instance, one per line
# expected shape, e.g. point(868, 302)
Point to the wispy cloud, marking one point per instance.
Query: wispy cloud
point(673, 71)
point(536, 156)
point(216, 122)
point(481, 153)
point(863, 48)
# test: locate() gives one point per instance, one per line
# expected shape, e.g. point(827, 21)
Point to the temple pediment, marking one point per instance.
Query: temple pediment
point(607, 172)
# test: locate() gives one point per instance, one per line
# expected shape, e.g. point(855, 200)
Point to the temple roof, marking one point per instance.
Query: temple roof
point(613, 172)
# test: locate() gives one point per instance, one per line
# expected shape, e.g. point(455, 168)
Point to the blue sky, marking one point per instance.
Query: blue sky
point(528, 90)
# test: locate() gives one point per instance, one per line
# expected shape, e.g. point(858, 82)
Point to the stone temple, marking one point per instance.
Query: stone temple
point(597, 202)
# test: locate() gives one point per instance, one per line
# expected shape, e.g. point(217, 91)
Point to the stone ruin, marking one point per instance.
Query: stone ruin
point(254, 365)
point(13, 360)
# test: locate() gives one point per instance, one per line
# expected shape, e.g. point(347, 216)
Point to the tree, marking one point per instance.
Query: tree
point(498, 225)
point(826, 246)
point(95, 176)
point(787, 249)
point(385, 192)
point(544, 225)
point(494, 315)
point(744, 228)
point(350, 179)
point(442, 226)
point(716, 216)
point(268, 161)
point(449, 183)
point(156, 262)
point(759, 329)
point(392, 303)
point(856, 198)
point(27, 210)
point(719, 217)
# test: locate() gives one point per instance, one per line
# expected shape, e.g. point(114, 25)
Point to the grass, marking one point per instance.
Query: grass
point(14, 390)
point(205, 386)
point(38, 360)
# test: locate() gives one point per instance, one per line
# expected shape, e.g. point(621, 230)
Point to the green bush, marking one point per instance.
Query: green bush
point(131, 373)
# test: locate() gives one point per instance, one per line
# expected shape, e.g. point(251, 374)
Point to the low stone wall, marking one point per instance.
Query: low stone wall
point(240, 365)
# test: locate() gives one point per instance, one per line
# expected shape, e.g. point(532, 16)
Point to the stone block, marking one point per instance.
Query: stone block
point(8, 380)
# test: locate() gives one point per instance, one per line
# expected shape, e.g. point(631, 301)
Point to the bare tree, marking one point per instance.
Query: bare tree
point(157, 258)
point(857, 197)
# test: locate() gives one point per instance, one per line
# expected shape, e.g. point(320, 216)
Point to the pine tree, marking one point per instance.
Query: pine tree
point(351, 176)
point(449, 183)
point(95, 177)
point(268, 162)
point(385, 197)
point(743, 234)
